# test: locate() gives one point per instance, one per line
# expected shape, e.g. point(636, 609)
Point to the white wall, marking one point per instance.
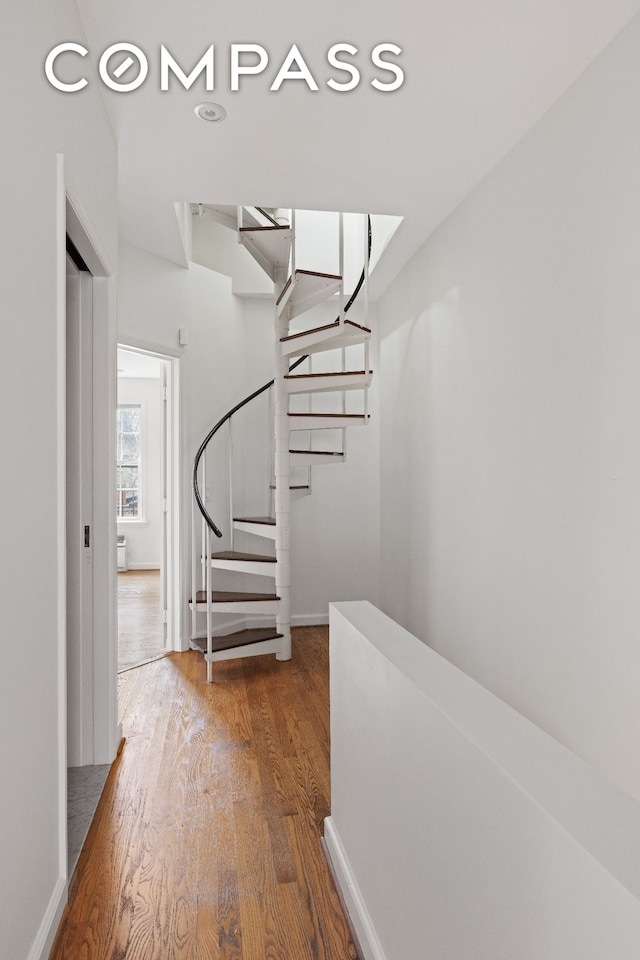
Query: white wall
point(144, 537)
point(38, 122)
point(335, 530)
point(510, 399)
point(460, 830)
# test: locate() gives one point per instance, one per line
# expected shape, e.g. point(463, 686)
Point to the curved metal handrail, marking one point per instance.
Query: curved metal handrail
point(256, 393)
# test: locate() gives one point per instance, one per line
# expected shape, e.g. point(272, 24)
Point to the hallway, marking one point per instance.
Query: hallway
point(206, 842)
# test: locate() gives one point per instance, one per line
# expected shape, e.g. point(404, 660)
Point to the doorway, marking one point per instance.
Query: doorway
point(89, 728)
point(146, 474)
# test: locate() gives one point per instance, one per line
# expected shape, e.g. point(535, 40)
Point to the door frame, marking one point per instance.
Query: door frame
point(80, 526)
point(170, 572)
point(101, 686)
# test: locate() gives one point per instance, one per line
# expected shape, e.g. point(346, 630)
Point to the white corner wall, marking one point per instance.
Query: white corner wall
point(510, 403)
point(458, 829)
point(37, 124)
point(335, 531)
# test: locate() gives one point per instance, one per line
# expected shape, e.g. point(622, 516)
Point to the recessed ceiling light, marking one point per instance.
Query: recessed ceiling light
point(211, 112)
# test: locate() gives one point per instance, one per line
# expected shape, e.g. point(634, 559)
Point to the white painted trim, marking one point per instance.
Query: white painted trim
point(47, 930)
point(172, 531)
point(74, 219)
point(107, 729)
point(61, 509)
point(356, 908)
point(176, 517)
point(151, 348)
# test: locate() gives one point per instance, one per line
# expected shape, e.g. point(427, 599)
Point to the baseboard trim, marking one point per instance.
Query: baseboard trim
point(310, 620)
point(362, 929)
point(142, 566)
point(49, 927)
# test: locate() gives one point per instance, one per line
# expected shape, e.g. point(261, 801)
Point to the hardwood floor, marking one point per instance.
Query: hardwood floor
point(139, 617)
point(206, 842)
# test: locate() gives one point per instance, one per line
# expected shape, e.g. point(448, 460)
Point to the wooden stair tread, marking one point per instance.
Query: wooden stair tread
point(236, 555)
point(339, 373)
point(318, 273)
point(328, 326)
point(321, 453)
point(352, 416)
point(307, 273)
point(232, 596)
point(240, 638)
point(299, 486)
point(263, 228)
point(269, 521)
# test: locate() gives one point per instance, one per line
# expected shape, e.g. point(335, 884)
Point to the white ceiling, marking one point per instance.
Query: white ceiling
point(479, 74)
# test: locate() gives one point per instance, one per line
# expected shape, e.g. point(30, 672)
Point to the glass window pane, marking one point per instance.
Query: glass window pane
point(127, 477)
point(128, 459)
point(130, 419)
point(130, 446)
point(129, 503)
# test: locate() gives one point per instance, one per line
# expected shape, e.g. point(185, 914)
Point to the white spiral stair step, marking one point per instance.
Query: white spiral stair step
point(331, 336)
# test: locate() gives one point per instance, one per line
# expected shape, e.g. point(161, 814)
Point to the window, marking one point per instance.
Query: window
point(128, 479)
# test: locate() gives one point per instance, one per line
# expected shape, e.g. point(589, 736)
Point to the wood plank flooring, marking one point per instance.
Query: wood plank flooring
point(139, 617)
point(206, 842)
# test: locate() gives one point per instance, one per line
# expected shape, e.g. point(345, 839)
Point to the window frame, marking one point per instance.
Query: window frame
point(139, 464)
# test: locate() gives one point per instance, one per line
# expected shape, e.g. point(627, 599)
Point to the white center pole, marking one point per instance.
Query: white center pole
point(282, 497)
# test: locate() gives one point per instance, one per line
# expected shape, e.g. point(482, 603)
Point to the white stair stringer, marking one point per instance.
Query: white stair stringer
point(297, 491)
point(251, 606)
point(270, 247)
point(314, 458)
point(251, 650)
point(324, 382)
point(332, 336)
point(305, 289)
point(260, 567)
point(326, 421)
point(257, 527)
point(238, 606)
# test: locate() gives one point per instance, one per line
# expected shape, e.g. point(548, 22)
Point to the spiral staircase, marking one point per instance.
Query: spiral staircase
point(296, 438)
